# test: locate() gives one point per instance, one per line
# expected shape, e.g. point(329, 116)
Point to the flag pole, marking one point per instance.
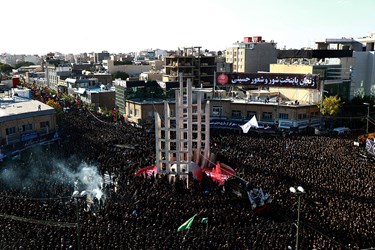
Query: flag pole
point(187, 231)
point(207, 227)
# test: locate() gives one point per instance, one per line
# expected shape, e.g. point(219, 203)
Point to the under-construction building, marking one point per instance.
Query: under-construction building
point(192, 64)
point(183, 140)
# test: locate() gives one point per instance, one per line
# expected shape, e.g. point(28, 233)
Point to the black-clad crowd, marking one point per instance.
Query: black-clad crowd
point(337, 210)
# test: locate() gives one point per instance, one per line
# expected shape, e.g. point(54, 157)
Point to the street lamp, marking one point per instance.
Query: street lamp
point(321, 106)
point(299, 191)
point(367, 117)
point(76, 195)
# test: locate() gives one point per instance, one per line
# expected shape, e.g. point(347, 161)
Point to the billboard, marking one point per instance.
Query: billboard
point(309, 81)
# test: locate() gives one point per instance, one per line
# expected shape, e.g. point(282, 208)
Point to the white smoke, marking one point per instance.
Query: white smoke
point(87, 182)
point(91, 181)
point(41, 174)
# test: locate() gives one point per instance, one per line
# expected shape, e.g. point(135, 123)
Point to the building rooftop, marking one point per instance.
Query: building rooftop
point(19, 108)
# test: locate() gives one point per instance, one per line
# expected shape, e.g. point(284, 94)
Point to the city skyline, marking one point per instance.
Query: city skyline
point(121, 27)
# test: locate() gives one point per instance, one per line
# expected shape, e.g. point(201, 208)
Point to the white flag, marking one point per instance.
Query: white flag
point(252, 123)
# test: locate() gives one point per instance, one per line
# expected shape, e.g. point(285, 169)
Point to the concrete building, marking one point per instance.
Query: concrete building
point(151, 76)
point(363, 74)
point(192, 64)
point(24, 122)
point(289, 104)
point(56, 71)
point(100, 98)
point(368, 42)
point(32, 58)
point(358, 70)
point(132, 70)
point(127, 92)
point(99, 57)
point(285, 100)
point(252, 55)
point(143, 110)
point(8, 59)
point(73, 85)
point(182, 140)
point(332, 65)
point(339, 44)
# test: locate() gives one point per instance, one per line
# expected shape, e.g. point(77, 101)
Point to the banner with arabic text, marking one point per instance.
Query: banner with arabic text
point(310, 81)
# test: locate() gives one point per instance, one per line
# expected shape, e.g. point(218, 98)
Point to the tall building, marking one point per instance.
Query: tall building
point(55, 71)
point(99, 57)
point(182, 140)
point(252, 55)
point(192, 64)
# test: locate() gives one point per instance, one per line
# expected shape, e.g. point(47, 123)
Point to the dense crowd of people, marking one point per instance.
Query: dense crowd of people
point(38, 211)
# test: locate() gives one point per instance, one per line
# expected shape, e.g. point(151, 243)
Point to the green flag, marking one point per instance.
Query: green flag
point(187, 224)
point(204, 220)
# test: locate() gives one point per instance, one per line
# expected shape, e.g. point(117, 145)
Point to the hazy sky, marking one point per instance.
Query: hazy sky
point(77, 26)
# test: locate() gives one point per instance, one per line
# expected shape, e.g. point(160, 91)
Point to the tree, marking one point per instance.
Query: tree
point(331, 105)
point(121, 75)
point(54, 105)
point(126, 62)
point(6, 68)
point(21, 64)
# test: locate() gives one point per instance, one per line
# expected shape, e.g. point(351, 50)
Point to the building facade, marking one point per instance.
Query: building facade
point(191, 64)
point(131, 70)
point(252, 55)
point(24, 122)
point(56, 71)
point(363, 74)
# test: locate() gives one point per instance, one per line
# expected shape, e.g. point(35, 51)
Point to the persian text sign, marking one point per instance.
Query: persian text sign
point(269, 79)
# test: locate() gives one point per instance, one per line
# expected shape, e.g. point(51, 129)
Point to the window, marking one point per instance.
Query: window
point(267, 115)
point(44, 124)
point(250, 114)
point(10, 131)
point(150, 114)
point(284, 116)
point(304, 116)
point(236, 114)
point(27, 127)
point(136, 112)
point(217, 111)
point(299, 116)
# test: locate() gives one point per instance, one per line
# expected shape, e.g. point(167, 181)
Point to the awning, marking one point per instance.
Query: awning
point(80, 91)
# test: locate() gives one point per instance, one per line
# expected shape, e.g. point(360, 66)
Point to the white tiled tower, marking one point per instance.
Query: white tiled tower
point(182, 139)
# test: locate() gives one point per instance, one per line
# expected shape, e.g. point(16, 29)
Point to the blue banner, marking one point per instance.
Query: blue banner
point(29, 136)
